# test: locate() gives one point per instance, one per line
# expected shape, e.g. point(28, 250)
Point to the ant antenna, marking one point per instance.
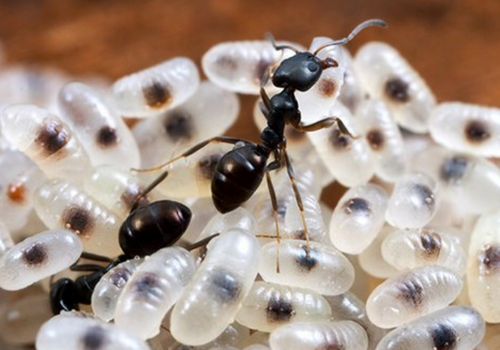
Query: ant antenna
point(270, 37)
point(355, 31)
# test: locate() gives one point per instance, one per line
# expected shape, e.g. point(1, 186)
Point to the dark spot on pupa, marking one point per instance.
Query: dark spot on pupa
point(490, 259)
point(147, 287)
point(52, 136)
point(226, 65)
point(431, 244)
point(443, 337)
point(208, 164)
point(279, 310)
point(357, 206)
point(453, 169)
point(107, 137)
point(424, 194)
point(327, 87)
point(411, 292)
point(94, 338)
point(78, 220)
point(35, 255)
point(178, 125)
point(476, 131)
point(339, 140)
point(156, 95)
point(397, 90)
point(307, 259)
point(119, 276)
point(16, 192)
point(225, 286)
point(375, 139)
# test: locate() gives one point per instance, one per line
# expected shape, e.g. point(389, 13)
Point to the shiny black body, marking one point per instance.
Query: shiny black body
point(153, 226)
point(66, 294)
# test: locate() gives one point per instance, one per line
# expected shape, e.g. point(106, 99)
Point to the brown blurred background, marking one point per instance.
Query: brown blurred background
point(454, 44)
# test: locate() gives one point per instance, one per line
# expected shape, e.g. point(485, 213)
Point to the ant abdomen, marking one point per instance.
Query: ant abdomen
point(237, 176)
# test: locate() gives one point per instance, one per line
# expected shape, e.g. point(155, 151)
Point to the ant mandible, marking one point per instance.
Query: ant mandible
point(240, 171)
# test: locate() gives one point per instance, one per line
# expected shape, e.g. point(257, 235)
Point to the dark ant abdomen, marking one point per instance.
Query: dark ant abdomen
point(153, 226)
point(237, 176)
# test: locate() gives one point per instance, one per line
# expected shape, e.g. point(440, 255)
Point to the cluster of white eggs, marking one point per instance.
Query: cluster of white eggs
point(422, 210)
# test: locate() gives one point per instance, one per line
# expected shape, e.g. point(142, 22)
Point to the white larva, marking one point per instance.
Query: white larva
point(420, 247)
point(239, 218)
point(371, 260)
point(352, 92)
point(467, 128)
point(335, 148)
point(412, 294)
point(483, 267)
point(413, 201)
point(156, 89)
point(208, 113)
point(387, 76)
point(102, 133)
point(454, 327)
point(60, 204)
point(346, 335)
point(108, 289)
point(6, 241)
point(213, 297)
point(469, 181)
point(239, 66)
point(71, 332)
point(358, 217)
point(269, 306)
point(153, 289)
point(348, 307)
point(320, 268)
point(37, 257)
point(384, 138)
point(45, 139)
point(316, 102)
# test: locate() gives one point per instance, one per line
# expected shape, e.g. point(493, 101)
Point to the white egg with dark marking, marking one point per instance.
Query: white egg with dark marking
point(155, 89)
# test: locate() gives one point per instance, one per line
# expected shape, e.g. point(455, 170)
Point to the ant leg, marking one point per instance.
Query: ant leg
point(266, 101)
point(298, 198)
point(202, 242)
point(164, 174)
point(95, 257)
point(324, 123)
point(272, 193)
point(86, 267)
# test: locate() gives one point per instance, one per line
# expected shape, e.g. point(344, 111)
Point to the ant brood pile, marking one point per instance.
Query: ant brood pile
point(199, 252)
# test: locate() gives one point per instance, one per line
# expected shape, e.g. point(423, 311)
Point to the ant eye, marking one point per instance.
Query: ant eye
point(313, 67)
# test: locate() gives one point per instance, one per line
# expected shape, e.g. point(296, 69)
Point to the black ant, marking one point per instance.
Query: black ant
point(240, 171)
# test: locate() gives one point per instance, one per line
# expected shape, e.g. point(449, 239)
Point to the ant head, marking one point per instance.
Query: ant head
point(299, 72)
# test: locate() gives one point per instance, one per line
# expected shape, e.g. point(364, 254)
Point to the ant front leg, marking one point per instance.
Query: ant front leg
point(324, 123)
point(274, 201)
point(189, 152)
point(296, 191)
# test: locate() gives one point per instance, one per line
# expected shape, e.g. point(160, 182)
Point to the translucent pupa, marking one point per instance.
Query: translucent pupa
point(155, 89)
point(387, 76)
point(318, 267)
point(60, 204)
point(212, 298)
point(37, 257)
point(412, 294)
point(102, 133)
point(269, 306)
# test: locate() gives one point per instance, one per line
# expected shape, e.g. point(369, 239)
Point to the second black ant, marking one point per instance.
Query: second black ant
point(240, 171)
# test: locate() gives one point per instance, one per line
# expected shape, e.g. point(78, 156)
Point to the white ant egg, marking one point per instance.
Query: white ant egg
point(156, 89)
point(102, 133)
point(412, 294)
point(387, 76)
point(466, 128)
point(37, 257)
point(358, 217)
point(269, 306)
point(318, 267)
